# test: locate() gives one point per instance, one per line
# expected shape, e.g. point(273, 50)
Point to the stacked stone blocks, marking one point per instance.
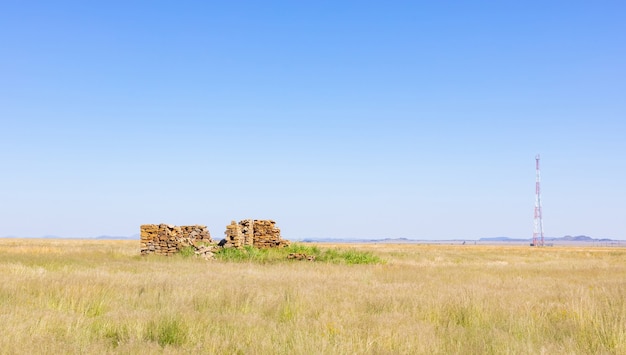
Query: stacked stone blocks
point(254, 232)
point(166, 239)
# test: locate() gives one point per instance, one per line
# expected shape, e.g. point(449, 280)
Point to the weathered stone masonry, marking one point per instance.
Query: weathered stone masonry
point(166, 239)
point(255, 232)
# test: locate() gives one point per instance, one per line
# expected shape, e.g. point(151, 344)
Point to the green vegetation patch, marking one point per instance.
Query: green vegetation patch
point(187, 251)
point(335, 256)
point(167, 331)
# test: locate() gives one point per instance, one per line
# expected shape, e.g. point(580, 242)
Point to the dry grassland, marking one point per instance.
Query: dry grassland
point(80, 296)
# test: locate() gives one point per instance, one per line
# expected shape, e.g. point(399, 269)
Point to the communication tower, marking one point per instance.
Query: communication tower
point(538, 227)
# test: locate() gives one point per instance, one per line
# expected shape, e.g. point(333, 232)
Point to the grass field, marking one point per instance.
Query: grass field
point(89, 296)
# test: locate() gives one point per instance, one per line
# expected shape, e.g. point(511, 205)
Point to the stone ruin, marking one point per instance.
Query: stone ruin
point(258, 233)
point(166, 239)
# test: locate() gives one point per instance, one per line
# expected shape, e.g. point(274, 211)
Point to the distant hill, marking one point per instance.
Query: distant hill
point(346, 240)
point(582, 238)
point(383, 240)
point(567, 238)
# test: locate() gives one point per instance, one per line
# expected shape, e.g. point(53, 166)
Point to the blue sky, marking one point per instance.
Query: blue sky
point(347, 119)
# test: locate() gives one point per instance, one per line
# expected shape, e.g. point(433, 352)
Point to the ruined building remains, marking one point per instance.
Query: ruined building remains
point(254, 232)
point(166, 239)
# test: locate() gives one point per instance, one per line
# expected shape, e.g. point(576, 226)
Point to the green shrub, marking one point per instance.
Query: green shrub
point(336, 256)
point(360, 257)
point(349, 257)
point(303, 248)
point(232, 254)
point(117, 335)
point(188, 251)
point(167, 331)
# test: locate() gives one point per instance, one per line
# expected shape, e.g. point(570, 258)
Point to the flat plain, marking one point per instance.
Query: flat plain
point(99, 296)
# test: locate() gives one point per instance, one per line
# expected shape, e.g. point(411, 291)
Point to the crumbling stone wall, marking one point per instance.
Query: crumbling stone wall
point(234, 236)
point(255, 232)
point(166, 239)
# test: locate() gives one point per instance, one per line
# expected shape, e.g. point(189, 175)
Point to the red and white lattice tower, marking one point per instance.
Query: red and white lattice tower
point(538, 227)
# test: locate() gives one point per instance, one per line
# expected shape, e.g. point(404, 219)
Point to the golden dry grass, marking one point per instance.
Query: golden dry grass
point(88, 296)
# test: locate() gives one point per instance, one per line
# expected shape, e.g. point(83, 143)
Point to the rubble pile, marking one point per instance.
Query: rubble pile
point(166, 239)
point(205, 251)
point(301, 256)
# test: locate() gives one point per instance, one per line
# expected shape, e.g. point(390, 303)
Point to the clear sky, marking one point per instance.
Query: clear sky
point(346, 119)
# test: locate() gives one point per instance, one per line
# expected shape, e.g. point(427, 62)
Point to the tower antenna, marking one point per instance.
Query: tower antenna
point(538, 225)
